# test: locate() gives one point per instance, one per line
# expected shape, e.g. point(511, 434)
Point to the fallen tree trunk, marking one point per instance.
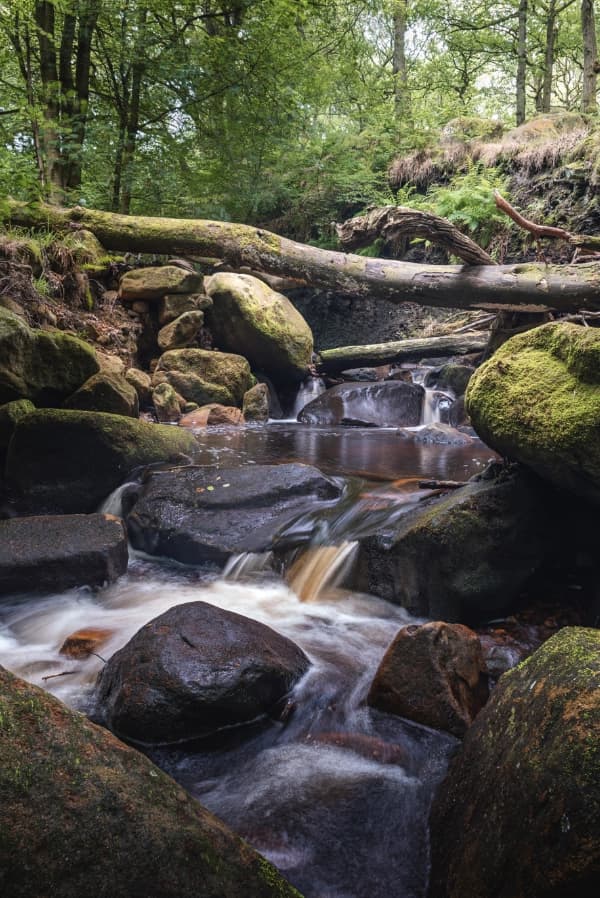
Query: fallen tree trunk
point(521, 287)
point(332, 361)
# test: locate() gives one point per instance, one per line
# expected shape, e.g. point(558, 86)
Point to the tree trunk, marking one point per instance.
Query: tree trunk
point(551, 35)
point(399, 70)
point(527, 287)
point(332, 361)
point(522, 62)
point(590, 57)
point(133, 118)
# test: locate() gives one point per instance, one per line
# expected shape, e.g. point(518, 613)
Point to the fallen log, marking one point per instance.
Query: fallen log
point(523, 287)
point(331, 361)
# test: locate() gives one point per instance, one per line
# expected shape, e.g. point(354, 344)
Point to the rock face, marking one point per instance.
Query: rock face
point(56, 552)
point(256, 404)
point(519, 812)
point(181, 332)
point(387, 404)
point(202, 376)
point(193, 671)
point(81, 813)
point(69, 461)
point(10, 415)
point(41, 366)
point(200, 514)
point(151, 284)
point(250, 318)
point(433, 674)
point(464, 556)
point(537, 400)
point(106, 393)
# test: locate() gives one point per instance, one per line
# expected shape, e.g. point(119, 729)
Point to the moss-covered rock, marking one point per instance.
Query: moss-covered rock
point(152, 284)
point(203, 376)
point(256, 404)
point(251, 318)
point(519, 812)
point(166, 404)
point(537, 400)
point(69, 461)
point(81, 813)
point(105, 393)
point(10, 415)
point(45, 367)
point(181, 332)
point(173, 305)
point(142, 384)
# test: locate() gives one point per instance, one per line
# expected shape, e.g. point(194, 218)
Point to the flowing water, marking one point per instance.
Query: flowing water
point(336, 794)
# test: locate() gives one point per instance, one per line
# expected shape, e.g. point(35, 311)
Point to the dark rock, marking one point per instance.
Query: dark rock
point(385, 404)
point(193, 671)
point(56, 552)
point(173, 305)
point(466, 555)
point(81, 813)
point(519, 812)
point(200, 514)
point(442, 435)
point(457, 413)
point(69, 461)
point(106, 393)
point(434, 675)
point(10, 415)
point(355, 375)
point(452, 376)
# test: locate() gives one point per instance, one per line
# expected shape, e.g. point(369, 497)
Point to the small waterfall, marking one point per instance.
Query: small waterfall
point(435, 404)
point(320, 568)
point(113, 504)
point(239, 567)
point(308, 390)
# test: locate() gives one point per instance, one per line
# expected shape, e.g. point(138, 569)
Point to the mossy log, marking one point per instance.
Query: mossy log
point(334, 360)
point(522, 287)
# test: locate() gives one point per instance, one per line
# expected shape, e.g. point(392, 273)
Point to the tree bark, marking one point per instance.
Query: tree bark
point(399, 70)
point(332, 361)
point(522, 62)
point(527, 287)
point(590, 57)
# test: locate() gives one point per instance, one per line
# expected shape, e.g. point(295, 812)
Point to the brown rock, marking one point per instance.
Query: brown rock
point(256, 403)
point(142, 384)
point(166, 404)
point(212, 415)
point(173, 305)
point(181, 332)
point(82, 643)
point(432, 674)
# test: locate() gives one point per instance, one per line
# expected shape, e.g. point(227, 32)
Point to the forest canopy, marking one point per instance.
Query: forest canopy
point(284, 112)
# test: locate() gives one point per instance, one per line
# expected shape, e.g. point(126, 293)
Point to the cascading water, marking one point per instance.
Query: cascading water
point(308, 390)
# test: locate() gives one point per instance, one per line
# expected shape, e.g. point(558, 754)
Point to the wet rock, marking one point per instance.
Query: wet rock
point(125, 829)
point(442, 435)
point(432, 674)
point(519, 812)
point(105, 393)
point(450, 377)
point(250, 318)
point(203, 376)
point(83, 643)
point(201, 514)
point(385, 404)
point(193, 671)
point(151, 284)
point(166, 404)
point(370, 747)
point(256, 404)
point(537, 400)
point(213, 415)
point(57, 552)
point(359, 374)
point(142, 384)
point(45, 367)
point(10, 415)
point(464, 556)
point(69, 461)
point(457, 413)
point(181, 332)
point(173, 305)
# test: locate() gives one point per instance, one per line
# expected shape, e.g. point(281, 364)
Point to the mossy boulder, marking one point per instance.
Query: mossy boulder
point(106, 393)
point(203, 376)
point(81, 813)
point(537, 400)
point(10, 415)
point(69, 461)
point(173, 305)
point(142, 384)
point(256, 404)
point(45, 367)
point(519, 812)
point(251, 318)
point(166, 404)
point(181, 332)
point(151, 284)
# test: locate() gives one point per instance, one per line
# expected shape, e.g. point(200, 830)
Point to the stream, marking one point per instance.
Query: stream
point(336, 794)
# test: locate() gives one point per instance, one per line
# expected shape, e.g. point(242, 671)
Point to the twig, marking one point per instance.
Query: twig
point(441, 484)
point(64, 673)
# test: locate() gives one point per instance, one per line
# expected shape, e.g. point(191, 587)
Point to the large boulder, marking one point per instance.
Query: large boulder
point(69, 461)
point(193, 671)
point(433, 674)
point(386, 404)
point(465, 556)
point(105, 392)
point(537, 400)
point(203, 376)
point(81, 813)
point(199, 514)
point(10, 415)
point(56, 552)
point(519, 812)
point(45, 367)
point(151, 284)
point(250, 318)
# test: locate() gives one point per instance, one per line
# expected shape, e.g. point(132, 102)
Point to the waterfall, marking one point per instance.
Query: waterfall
point(320, 568)
point(308, 390)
